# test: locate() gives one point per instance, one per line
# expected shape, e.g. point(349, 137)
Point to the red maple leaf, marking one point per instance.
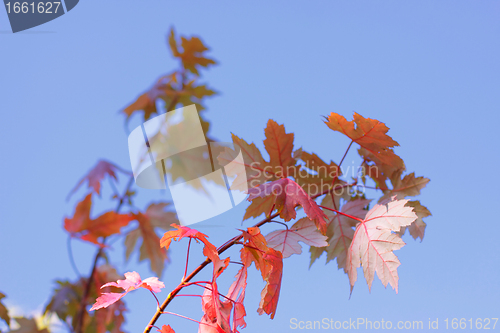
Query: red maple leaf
point(210, 251)
point(271, 292)
point(166, 329)
point(288, 195)
point(85, 228)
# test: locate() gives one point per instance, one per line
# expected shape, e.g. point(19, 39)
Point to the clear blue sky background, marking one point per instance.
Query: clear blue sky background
point(429, 69)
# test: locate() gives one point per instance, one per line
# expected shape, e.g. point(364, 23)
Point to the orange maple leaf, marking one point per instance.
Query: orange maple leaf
point(191, 54)
point(85, 228)
point(255, 247)
point(253, 162)
point(269, 262)
point(271, 292)
point(369, 134)
point(210, 251)
point(279, 146)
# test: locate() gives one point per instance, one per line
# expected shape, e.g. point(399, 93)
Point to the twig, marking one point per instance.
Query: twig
point(222, 249)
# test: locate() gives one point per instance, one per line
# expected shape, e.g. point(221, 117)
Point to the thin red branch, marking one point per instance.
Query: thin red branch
point(222, 249)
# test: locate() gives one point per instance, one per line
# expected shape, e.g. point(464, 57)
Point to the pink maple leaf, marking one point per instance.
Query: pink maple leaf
point(132, 281)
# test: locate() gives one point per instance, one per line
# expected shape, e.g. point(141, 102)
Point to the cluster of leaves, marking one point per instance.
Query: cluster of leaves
point(343, 225)
point(181, 86)
point(296, 190)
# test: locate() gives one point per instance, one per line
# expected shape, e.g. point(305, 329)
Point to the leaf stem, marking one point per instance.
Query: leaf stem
point(178, 315)
point(156, 298)
point(339, 212)
point(345, 154)
point(187, 259)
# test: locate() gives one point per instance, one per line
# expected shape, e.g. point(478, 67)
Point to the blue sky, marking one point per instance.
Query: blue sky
point(428, 69)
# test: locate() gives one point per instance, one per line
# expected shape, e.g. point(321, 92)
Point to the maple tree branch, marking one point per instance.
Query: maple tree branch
point(83, 304)
point(226, 246)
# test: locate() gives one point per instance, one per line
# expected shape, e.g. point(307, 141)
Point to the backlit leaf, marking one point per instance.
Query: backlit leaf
point(342, 227)
point(132, 281)
point(374, 241)
point(271, 292)
point(287, 241)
